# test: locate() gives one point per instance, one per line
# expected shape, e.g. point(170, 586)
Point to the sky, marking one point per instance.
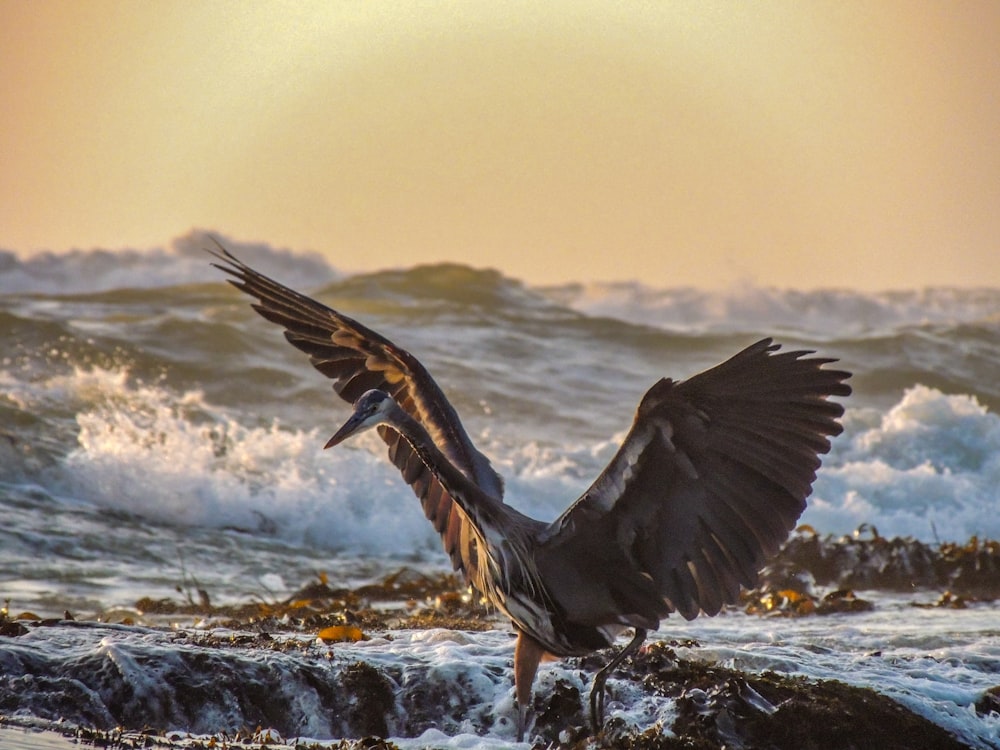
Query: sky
point(790, 144)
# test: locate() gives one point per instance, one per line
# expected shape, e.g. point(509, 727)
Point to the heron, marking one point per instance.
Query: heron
point(707, 484)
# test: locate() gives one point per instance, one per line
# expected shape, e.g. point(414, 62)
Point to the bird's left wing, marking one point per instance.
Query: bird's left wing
point(357, 359)
point(709, 481)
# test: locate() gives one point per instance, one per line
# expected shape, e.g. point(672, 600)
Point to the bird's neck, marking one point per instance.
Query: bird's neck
point(487, 514)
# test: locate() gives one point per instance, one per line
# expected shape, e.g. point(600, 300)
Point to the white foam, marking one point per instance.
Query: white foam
point(928, 468)
point(175, 458)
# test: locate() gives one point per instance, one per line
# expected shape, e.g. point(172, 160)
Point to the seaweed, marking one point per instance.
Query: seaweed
point(715, 705)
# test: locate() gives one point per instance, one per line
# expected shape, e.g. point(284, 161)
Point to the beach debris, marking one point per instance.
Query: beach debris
point(342, 633)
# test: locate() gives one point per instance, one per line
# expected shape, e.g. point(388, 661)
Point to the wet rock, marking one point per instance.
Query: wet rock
point(721, 707)
point(49, 697)
point(843, 600)
point(989, 702)
point(12, 629)
point(790, 603)
point(211, 685)
point(866, 560)
point(371, 698)
point(558, 709)
point(231, 681)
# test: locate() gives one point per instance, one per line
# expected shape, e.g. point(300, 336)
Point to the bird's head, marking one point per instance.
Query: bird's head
point(371, 409)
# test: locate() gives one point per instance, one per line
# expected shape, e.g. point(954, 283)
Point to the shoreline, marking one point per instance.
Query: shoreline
point(416, 654)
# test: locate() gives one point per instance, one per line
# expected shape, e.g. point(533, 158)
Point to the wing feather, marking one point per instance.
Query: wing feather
point(734, 540)
point(357, 359)
point(710, 589)
point(726, 568)
point(711, 478)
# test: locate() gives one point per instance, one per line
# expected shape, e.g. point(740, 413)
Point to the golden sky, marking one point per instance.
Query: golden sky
point(795, 144)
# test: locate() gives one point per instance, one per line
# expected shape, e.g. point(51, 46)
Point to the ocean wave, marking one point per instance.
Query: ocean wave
point(164, 401)
point(827, 314)
point(176, 459)
point(927, 468)
point(183, 262)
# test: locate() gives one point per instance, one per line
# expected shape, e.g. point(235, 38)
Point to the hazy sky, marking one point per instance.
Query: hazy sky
point(797, 144)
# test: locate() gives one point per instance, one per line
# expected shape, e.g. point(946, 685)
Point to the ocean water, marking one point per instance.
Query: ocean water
point(154, 431)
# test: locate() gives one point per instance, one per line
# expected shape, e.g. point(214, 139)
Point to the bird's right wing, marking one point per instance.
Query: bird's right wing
point(357, 359)
point(709, 481)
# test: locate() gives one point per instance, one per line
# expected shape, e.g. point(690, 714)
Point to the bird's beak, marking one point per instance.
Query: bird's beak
point(349, 428)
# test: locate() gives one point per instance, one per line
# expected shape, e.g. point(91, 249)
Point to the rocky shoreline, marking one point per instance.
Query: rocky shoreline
point(243, 655)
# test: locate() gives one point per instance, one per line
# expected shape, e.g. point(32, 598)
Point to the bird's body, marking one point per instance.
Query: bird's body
point(513, 564)
point(706, 485)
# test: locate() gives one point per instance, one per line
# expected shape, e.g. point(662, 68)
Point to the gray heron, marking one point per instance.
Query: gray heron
point(707, 484)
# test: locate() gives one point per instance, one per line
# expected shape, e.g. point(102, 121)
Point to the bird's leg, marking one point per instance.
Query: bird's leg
point(527, 653)
point(597, 691)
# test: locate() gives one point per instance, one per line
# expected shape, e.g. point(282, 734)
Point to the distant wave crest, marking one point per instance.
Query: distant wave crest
point(827, 313)
point(823, 313)
point(184, 261)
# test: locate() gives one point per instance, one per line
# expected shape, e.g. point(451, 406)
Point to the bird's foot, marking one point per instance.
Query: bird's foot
point(597, 692)
point(522, 721)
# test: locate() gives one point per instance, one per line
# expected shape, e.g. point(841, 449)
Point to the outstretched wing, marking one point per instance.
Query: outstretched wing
point(358, 359)
point(709, 481)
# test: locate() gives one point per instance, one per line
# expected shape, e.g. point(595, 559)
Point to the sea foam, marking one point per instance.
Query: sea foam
point(929, 468)
point(926, 468)
point(177, 459)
